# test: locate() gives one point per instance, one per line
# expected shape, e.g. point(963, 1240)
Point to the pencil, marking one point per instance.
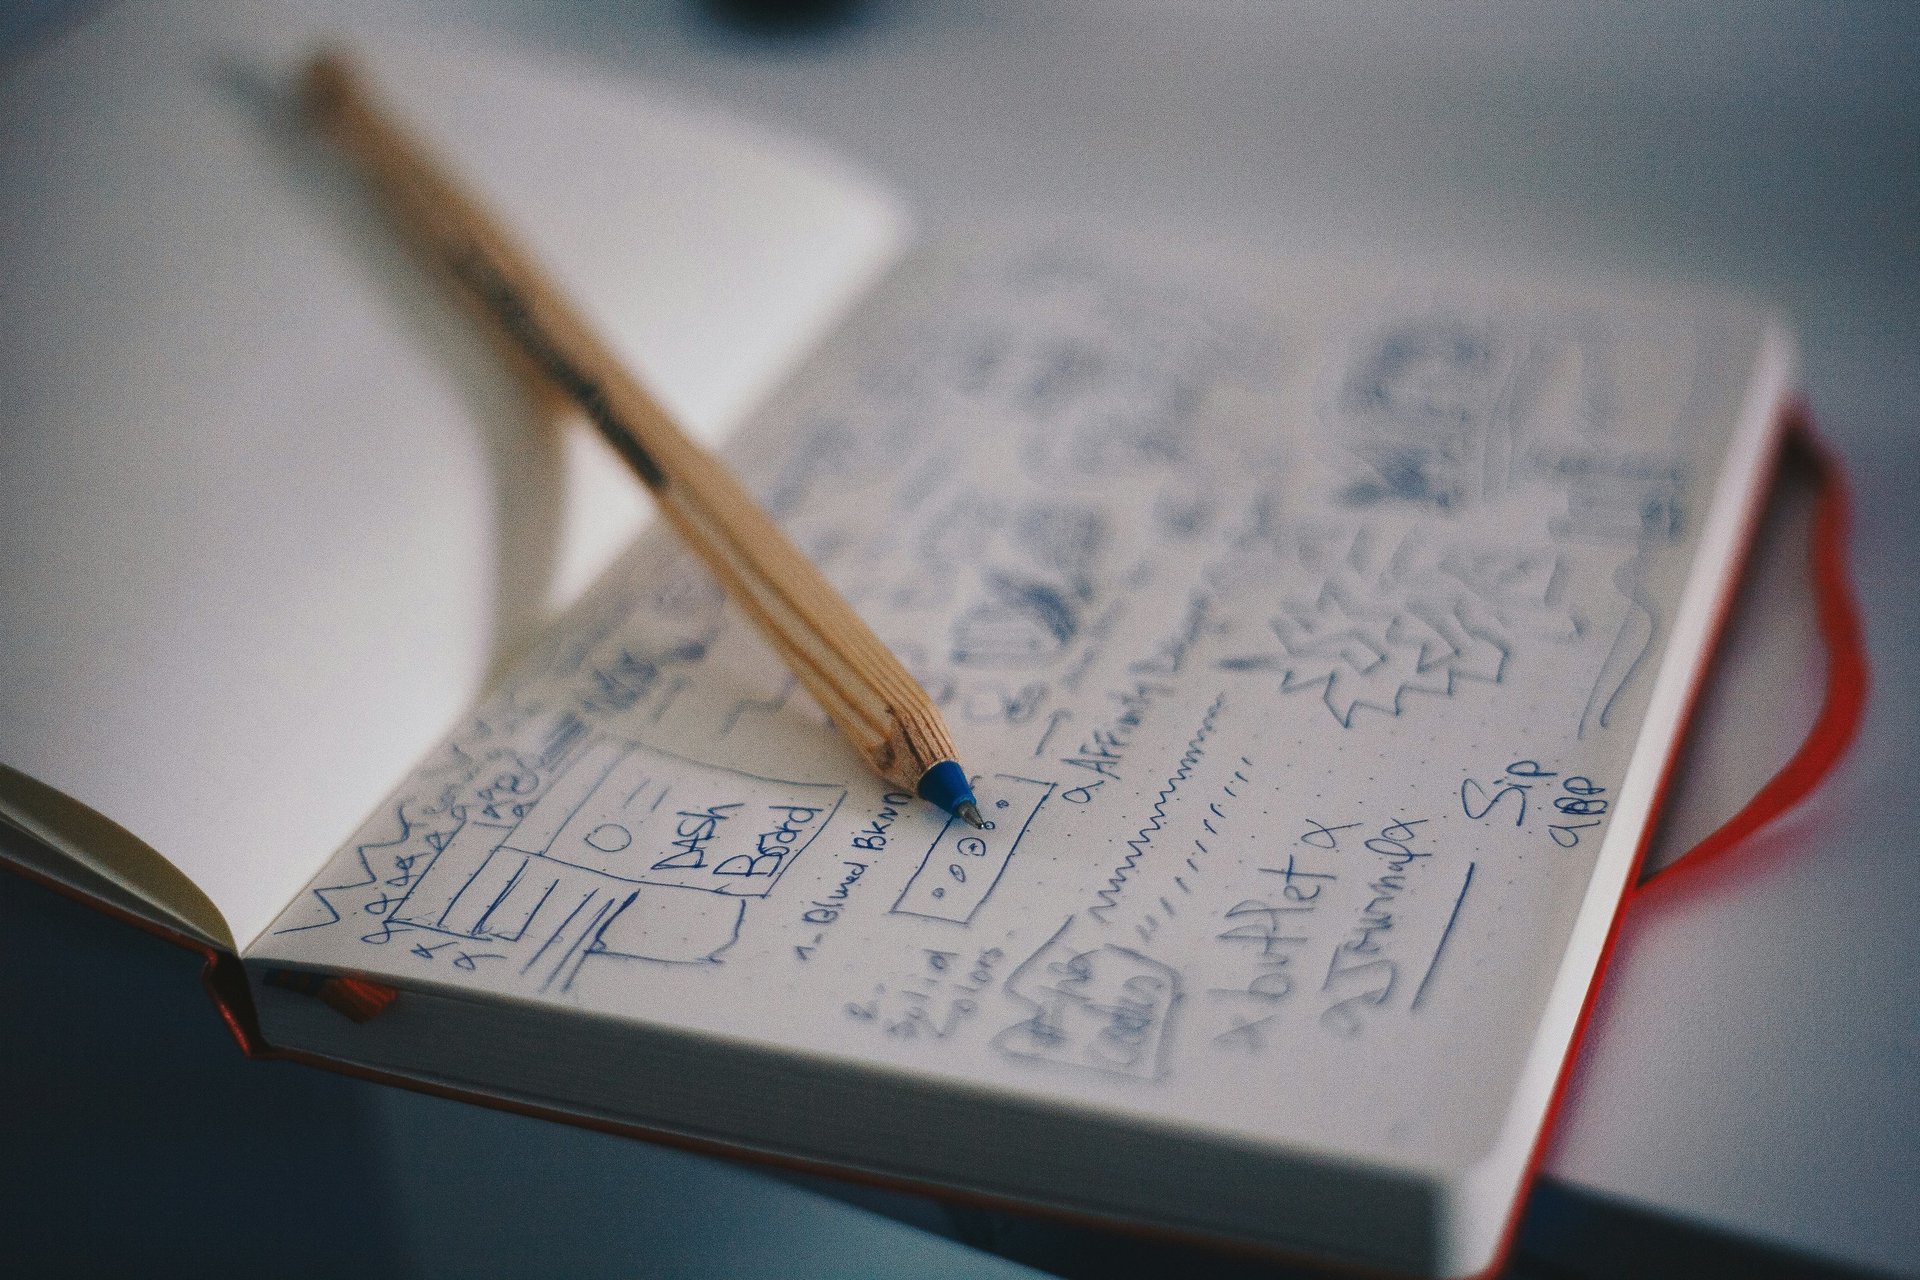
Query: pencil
point(863, 688)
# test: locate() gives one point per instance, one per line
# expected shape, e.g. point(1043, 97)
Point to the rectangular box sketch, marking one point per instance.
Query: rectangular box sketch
point(962, 866)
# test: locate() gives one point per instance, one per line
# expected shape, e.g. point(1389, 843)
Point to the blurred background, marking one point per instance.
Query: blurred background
point(1771, 146)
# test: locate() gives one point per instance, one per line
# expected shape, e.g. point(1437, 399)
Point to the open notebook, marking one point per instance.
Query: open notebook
point(1321, 631)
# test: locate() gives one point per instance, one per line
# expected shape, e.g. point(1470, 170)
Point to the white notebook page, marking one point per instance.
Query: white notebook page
point(1300, 626)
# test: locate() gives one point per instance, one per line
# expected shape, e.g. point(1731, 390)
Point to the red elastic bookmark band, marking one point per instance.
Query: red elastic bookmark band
point(353, 998)
point(1837, 612)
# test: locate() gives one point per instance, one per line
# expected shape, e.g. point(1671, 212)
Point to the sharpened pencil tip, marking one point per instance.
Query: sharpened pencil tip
point(969, 812)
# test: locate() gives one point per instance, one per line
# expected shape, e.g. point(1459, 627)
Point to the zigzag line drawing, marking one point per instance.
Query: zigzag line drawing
point(321, 892)
point(1189, 759)
point(1438, 662)
point(1430, 620)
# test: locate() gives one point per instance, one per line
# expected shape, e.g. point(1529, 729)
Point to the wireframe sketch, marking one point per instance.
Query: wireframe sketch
point(1099, 1008)
point(1426, 410)
point(589, 847)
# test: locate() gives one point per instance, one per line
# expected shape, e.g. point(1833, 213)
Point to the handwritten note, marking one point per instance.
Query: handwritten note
point(1300, 623)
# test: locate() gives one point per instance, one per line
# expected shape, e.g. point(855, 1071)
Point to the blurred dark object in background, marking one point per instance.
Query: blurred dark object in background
point(784, 17)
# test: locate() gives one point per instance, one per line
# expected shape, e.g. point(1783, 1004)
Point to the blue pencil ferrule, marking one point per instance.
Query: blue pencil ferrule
point(945, 784)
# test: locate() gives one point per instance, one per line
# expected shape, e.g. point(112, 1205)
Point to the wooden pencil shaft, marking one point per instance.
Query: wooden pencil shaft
point(835, 655)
